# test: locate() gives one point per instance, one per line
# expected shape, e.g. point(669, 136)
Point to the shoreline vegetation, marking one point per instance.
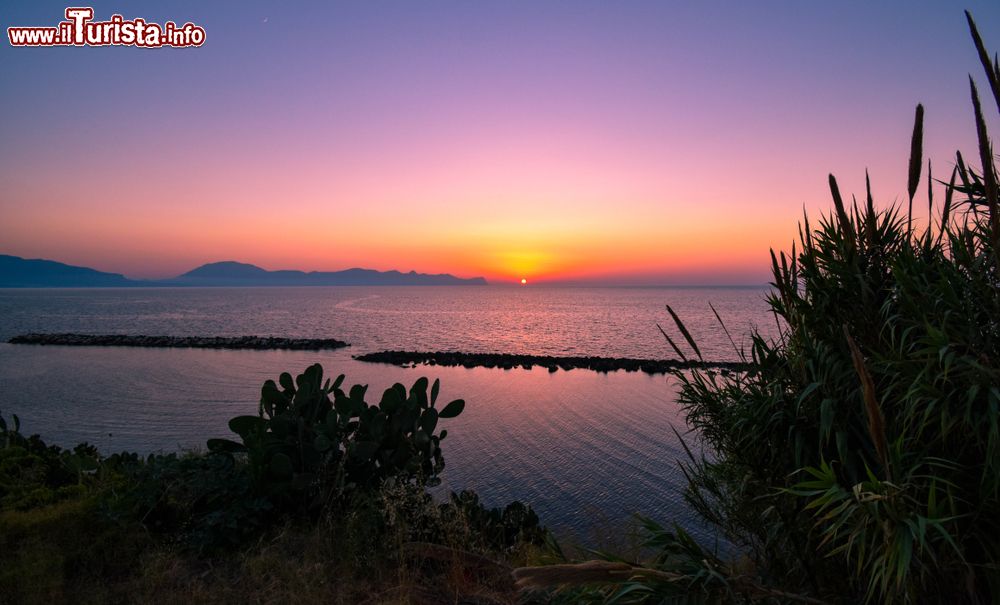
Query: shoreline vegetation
point(320, 497)
point(859, 462)
point(257, 343)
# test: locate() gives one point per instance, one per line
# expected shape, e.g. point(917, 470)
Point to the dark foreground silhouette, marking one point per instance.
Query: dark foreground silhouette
point(181, 342)
point(508, 361)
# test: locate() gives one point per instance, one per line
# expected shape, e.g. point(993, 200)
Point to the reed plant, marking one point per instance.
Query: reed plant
point(859, 460)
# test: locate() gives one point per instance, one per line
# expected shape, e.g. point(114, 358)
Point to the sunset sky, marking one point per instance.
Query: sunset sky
point(600, 142)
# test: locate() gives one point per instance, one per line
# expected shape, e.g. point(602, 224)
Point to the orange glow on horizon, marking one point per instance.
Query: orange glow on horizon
point(665, 244)
point(501, 143)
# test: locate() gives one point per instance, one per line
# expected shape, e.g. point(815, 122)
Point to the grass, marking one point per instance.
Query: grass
point(69, 552)
point(323, 499)
point(64, 552)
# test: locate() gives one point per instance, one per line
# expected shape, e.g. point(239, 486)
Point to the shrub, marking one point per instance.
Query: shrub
point(312, 440)
point(201, 501)
point(34, 474)
point(343, 512)
point(311, 449)
point(860, 458)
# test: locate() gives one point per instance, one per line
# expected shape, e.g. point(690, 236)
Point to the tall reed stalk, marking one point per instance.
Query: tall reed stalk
point(860, 459)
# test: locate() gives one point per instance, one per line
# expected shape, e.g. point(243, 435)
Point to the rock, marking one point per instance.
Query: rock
point(197, 342)
point(551, 363)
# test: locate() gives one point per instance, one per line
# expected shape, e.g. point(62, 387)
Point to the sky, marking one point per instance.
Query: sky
point(575, 142)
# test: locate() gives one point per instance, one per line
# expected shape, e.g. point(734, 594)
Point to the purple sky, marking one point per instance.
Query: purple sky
point(615, 142)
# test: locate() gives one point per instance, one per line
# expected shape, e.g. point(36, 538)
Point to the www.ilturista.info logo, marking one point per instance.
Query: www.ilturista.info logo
point(80, 29)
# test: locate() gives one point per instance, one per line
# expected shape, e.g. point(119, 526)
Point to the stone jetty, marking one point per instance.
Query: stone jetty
point(256, 343)
point(508, 361)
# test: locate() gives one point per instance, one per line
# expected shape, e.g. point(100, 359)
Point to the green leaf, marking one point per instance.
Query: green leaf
point(282, 426)
point(825, 416)
point(273, 400)
point(400, 390)
point(339, 381)
point(419, 386)
point(364, 450)
point(434, 391)
point(390, 401)
point(281, 465)
point(429, 420)
point(314, 376)
point(358, 392)
point(343, 405)
point(453, 409)
point(226, 446)
point(322, 443)
point(286, 382)
point(378, 423)
point(247, 425)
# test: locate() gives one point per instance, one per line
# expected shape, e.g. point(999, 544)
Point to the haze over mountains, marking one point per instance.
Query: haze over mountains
point(17, 272)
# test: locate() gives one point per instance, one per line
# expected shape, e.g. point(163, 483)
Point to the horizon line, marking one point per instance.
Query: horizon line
point(612, 282)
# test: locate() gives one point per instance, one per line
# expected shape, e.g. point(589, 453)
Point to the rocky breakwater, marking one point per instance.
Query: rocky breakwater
point(508, 361)
point(257, 343)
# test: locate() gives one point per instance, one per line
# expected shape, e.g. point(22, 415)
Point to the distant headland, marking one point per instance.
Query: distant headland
point(17, 272)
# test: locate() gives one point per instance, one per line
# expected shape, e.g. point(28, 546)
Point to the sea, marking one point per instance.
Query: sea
point(588, 451)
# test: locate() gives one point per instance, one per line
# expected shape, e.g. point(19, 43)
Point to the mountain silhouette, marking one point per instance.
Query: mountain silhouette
point(17, 272)
point(232, 273)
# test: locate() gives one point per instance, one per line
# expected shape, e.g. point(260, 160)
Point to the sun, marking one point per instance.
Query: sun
point(523, 281)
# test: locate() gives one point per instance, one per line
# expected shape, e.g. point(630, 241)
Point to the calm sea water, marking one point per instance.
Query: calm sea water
point(587, 450)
